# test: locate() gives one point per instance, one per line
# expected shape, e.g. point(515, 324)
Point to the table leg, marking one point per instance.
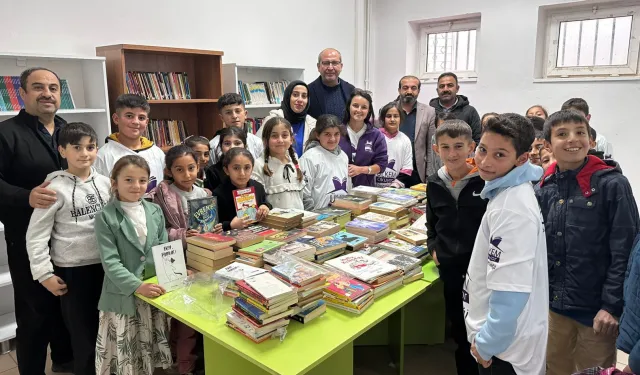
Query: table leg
point(397, 338)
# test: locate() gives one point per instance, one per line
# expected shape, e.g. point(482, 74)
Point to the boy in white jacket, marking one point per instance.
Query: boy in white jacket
point(76, 273)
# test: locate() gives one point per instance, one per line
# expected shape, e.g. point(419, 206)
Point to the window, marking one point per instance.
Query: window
point(596, 42)
point(449, 47)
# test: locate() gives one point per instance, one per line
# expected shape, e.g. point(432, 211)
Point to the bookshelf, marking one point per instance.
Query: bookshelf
point(7, 315)
point(86, 77)
point(204, 72)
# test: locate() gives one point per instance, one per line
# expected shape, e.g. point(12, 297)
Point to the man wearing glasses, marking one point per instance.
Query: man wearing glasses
point(328, 94)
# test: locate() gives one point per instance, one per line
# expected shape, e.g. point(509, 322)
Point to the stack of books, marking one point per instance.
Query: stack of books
point(410, 266)
point(264, 303)
point(326, 247)
point(337, 215)
point(357, 205)
point(389, 209)
point(323, 229)
point(418, 195)
point(378, 218)
point(403, 247)
point(159, 85)
point(243, 238)
point(369, 192)
point(382, 277)
point(234, 272)
point(374, 232)
point(281, 254)
point(283, 219)
point(412, 236)
point(346, 293)
point(310, 282)
point(288, 235)
point(166, 133)
point(262, 230)
point(369, 249)
point(308, 218)
point(354, 242)
point(209, 252)
point(420, 187)
point(252, 255)
point(399, 199)
point(417, 211)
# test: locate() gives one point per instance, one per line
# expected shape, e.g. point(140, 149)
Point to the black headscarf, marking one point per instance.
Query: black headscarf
point(289, 114)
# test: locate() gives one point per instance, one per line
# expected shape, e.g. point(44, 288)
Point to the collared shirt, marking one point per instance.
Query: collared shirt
point(447, 109)
point(49, 138)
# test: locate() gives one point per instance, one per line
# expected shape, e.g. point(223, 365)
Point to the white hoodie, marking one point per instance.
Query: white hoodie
point(68, 223)
point(326, 174)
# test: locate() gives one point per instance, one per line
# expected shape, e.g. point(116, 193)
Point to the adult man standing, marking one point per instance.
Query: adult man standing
point(419, 126)
point(328, 94)
point(28, 153)
point(448, 100)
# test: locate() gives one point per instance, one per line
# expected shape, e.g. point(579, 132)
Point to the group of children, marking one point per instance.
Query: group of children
point(535, 232)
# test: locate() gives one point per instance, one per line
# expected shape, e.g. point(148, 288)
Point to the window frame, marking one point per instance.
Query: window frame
point(583, 14)
point(442, 27)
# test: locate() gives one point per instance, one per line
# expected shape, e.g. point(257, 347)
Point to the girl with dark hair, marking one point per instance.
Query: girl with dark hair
point(202, 149)
point(537, 111)
point(278, 169)
point(363, 143)
point(294, 108)
point(229, 138)
point(400, 166)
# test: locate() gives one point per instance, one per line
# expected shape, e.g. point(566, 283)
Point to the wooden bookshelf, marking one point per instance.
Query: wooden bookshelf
point(204, 71)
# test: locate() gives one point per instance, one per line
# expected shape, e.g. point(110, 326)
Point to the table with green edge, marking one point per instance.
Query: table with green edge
point(323, 346)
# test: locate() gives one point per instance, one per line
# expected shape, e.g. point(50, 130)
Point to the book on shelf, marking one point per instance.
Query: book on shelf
point(246, 203)
point(10, 99)
point(418, 195)
point(346, 293)
point(297, 273)
point(324, 244)
point(378, 218)
point(399, 199)
point(337, 215)
point(387, 286)
point(283, 219)
point(259, 93)
point(411, 236)
point(159, 85)
point(166, 133)
point(203, 214)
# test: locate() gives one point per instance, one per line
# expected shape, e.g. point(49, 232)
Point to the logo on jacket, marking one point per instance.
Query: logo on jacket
point(494, 250)
point(91, 199)
point(339, 185)
point(392, 163)
point(153, 182)
point(368, 146)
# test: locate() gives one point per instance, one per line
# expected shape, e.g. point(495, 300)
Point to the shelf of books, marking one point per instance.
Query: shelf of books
point(83, 87)
point(261, 87)
point(181, 85)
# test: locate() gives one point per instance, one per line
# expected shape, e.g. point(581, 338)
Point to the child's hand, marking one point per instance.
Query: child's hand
point(354, 170)
point(263, 211)
point(189, 272)
point(474, 352)
point(150, 290)
point(192, 232)
point(55, 285)
point(238, 223)
point(217, 228)
point(605, 323)
point(435, 257)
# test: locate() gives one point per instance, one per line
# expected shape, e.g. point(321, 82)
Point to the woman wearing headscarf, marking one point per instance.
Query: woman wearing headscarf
point(294, 107)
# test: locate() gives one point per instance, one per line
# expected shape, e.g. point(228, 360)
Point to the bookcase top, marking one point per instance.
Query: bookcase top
point(157, 49)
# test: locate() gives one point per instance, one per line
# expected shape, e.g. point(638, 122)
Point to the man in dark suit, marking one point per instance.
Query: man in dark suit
point(328, 94)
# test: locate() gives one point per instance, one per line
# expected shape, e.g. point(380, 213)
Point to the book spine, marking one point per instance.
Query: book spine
point(15, 104)
point(5, 95)
point(15, 80)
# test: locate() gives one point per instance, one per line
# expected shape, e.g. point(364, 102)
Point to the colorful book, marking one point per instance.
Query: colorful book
point(326, 244)
point(258, 249)
point(246, 203)
point(323, 228)
point(354, 242)
point(269, 287)
point(288, 236)
point(367, 225)
point(297, 273)
point(346, 288)
point(203, 214)
point(243, 237)
point(363, 267)
point(262, 230)
point(297, 249)
point(378, 218)
point(404, 262)
point(400, 246)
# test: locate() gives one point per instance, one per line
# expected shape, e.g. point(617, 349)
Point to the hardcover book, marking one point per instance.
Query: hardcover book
point(203, 214)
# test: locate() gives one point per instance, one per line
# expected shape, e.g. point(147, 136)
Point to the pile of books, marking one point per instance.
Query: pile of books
point(159, 85)
point(399, 199)
point(340, 216)
point(410, 266)
point(10, 99)
point(244, 238)
point(327, 247)
point(374, 232)
point(399, 246)
point(389, 209)
point(278, 255)
point(262, 230)
point(378, 218)
point(381, 276)
point(166, 133)
point(252, 255)
point(346, 293)
point(323, 229)
point(353, 241)
point(357, 205)
point(417, 211)
point(283, 219)
point(310, 282)
point(369, 192)
point(234, 272)
point(309, 218)
point(412, 236)
point(209, 252)
point(420, 196)
point(263, 306)
point(262, 92)
point(288, 235)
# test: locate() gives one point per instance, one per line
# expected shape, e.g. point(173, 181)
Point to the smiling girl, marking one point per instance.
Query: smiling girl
point(400, 166)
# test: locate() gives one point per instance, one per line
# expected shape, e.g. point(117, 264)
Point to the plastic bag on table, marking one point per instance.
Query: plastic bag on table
point(226, 277)
point(199, 295)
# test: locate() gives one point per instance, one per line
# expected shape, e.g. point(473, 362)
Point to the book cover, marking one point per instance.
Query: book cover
point(261, 247)
point(262, 230)
point(288, 236)
point(332, 211)
point(396, 244)
point(368, 190)
point(367, 225)
point(203, 214)
point(378, 218)
point(364, 267)
point(268, 286)
point(385, 206)
point(285, 214)
point(322, 226)
point(411, 236)
point(396, 197)
point(246, 203)
point(297, 273)
point(420, 187)
point(238, 271)
point(352, 240)
point(327, 242)
point(171, 268)
point(243, 235)
point(402, 261)
point(346, 288)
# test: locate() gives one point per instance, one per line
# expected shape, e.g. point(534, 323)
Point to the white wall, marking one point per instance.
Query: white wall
point(506, 56)
point(256, 32)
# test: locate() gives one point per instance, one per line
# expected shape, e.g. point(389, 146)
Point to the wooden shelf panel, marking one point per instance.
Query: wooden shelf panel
point(182, 101)
point(161, 50)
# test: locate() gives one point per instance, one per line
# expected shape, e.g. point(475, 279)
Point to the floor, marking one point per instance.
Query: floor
point(370, 360)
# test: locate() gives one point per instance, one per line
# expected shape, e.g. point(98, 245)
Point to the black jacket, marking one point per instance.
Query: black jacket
point(591, 221)
point(463, 111)
point(226, 204)
point(452, 226)
point(25, 161)
point(215, 175)
point(316, 97)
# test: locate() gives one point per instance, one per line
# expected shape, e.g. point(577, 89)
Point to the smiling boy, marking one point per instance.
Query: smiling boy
point(591, 220)
point(506, 288)
point(132, 118)
point(454, 211)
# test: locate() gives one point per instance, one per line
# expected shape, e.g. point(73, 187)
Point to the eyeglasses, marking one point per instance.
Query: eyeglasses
point(329, 63)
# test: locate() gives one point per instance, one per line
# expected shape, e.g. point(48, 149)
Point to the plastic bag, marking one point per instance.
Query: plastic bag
point(199, 295)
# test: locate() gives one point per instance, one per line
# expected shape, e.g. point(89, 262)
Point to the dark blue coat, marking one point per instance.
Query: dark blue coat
point(316, 97)
point(591, 221)
point(629, 338)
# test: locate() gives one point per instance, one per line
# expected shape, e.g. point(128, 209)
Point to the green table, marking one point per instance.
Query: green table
point(323, 346)
point(430, 271)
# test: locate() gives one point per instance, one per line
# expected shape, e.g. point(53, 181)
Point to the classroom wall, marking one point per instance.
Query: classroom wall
point(250, 32)
point(506, 56)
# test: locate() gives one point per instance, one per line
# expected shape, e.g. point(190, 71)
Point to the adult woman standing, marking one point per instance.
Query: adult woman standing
point(363, 143)
point(294, 108)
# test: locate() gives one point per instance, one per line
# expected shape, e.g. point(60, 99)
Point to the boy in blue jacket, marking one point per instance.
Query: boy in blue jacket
point(591, 220)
